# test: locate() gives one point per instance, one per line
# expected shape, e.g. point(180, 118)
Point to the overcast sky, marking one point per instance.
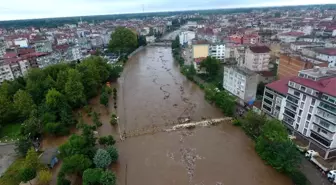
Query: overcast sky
point(26, 9)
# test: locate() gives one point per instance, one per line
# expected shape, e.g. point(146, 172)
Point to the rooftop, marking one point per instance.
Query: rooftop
point(325, 79)
point(327, 51)
point(292, 33)
point(260, 49)
point(279, 86)
point(245, 71)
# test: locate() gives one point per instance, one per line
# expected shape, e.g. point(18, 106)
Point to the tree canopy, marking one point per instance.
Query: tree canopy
point(123, 40)
point(102, 159)
point(211, 66)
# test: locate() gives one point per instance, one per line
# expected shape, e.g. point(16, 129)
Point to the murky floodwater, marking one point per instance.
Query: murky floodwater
point(152, 91)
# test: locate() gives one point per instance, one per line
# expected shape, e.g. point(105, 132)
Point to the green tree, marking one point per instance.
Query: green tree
point(108, 178)
point(106, 140)
point(74, 89)
point(32, 127)
point(123, 40)
point(75, 164)
point(38, 83)
point(62, 77)
point(92, 176)
point(76, 145)
point(113, 153)
point(211, 66)
point(104, 99)
point(27, 174)
point(253, 123)
point(55, 99)
point(23, 103)
point(23, 145)
point(102, 159)
point(32, 160)
point(7, 111)
point(142, 40)
point(44, 177)
point(56, 128)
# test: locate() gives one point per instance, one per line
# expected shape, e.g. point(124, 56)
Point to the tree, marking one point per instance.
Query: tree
point(211, 66)
point(114, 119)
point(123, 40)
point(23, 145)
point(74, 89)
point(102, 159)
point(23, 103)
point(253, 123)
point(32, 127)
point(56, 128)
point(75, 164)
point(76, 145)
point(108, 178)
point(32, 160)
point(113, 153)
point(27, 174)
point(7, 111)
point(54, 99)
point(62, 77)
point(44, 177)
point(92, 176)
point(142, 40)
point(104, 99)
point(107, 140)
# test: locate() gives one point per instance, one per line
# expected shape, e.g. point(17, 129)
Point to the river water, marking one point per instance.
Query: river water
point(153, 93)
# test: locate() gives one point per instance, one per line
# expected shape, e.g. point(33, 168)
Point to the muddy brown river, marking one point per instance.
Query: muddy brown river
point(152, 92)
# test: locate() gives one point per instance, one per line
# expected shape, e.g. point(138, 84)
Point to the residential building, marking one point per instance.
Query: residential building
point(290, 66)
point(241, 82)
point(22, 42)
point(200, 49)
point(327, 54)
point(290, 36)
point(150, 39)
point(274, 99)
point(43, 46)
point(257, 58)
point(2, 49)
point(186, 37)
point(310, 110)
point(5, 72)
point(217, 51)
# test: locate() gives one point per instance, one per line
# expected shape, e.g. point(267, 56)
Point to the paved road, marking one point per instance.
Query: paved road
point(313, 175)
point(7, 157)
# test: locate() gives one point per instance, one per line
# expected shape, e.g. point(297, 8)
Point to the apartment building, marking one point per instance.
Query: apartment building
point(310, 110)
point(290, 65)
point(200, 49)
point(217, 51)
point(257, 58)
point(240, 82)
point(5, 72)
point(186, 37)
point(13, 68)
point(274, 99)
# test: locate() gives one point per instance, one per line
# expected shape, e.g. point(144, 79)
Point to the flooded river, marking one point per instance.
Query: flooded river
point(152, 92)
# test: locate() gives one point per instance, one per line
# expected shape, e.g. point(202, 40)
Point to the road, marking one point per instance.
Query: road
point(7, 157)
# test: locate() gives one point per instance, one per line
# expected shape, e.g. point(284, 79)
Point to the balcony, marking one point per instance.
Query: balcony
point(316, 137)
point(288, 120)
point(327, 107)
point(322, 132)
point(292, 99)
point(326, 116)
point(323, 124)
point(291, 107)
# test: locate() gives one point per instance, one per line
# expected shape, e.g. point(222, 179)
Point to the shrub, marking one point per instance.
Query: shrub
point(298, 178)
point(44, 177)
point(236, 122)
point(113, 120)
point(102, 159)
point(113, 153)
point(96, 120)
point(106, 140)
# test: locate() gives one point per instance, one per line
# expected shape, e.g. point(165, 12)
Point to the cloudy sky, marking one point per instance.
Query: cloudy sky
point(26, 9)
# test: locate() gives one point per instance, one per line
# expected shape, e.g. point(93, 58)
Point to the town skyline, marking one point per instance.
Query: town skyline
point(28, 10)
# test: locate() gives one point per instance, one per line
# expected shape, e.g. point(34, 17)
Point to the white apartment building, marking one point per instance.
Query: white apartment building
point(22, 42)
point(310, 109)
point(274, 99)
point(5, 72)
point(257, 58)
point(240, 82)
point(217, 51)
point(186, 37)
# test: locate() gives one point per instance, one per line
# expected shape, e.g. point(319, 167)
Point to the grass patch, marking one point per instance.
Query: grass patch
point(10, 131)
point(10, 177)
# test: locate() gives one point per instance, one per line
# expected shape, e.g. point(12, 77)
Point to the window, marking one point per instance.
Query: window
point(297, 93)
point(304, 131)
point(267, 108)
point(324, 131)
point(268, 101)
point(297, 127)
point(302, 88)
point(301, 105)
point(304, 97)
point(310, 109)
point(290, 114)
point(306, 124)
point(309, 117)
point(300, 112)
point(313, 101)
point(298, 119)
point(269, 95)
point(291, 84)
